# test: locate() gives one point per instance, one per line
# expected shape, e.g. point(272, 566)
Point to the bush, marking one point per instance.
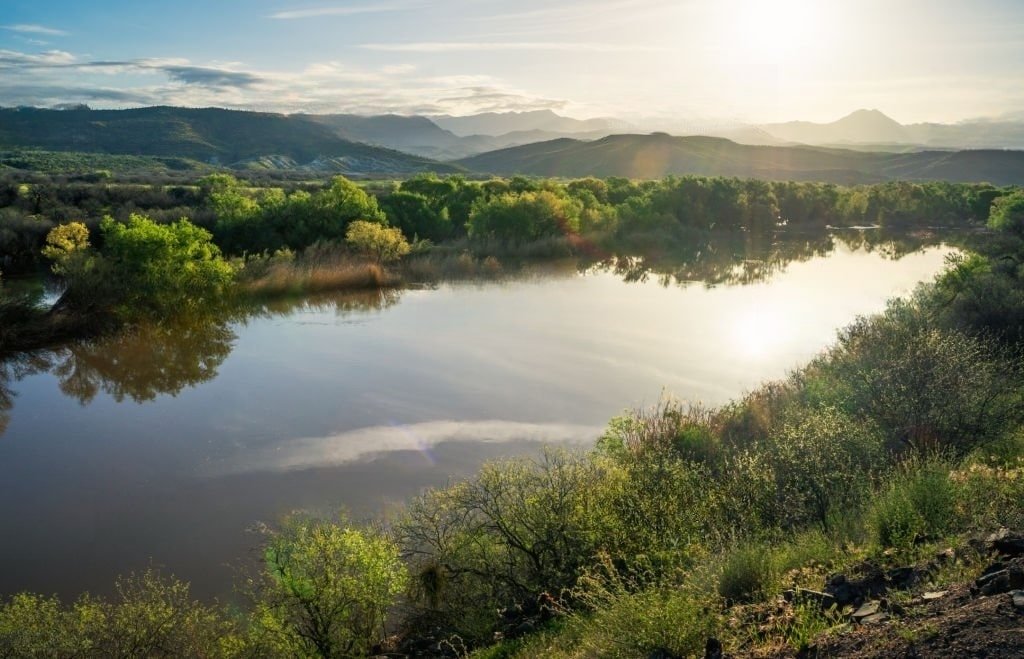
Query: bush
point(925, 387)
point(515, 531)
point(159, 269)
point(380, 243)
point(918, 503)
point(152, 616)
point(822, 460)
point(327, 588)
point(748, 573)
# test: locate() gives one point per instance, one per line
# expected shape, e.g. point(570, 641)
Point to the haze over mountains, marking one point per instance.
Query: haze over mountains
point(872, 127)
point(873, 147)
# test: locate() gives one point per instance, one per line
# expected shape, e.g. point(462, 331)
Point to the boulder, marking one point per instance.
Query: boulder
point(866, 610)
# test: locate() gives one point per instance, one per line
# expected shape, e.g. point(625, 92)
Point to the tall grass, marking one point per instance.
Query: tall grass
point(316, 271)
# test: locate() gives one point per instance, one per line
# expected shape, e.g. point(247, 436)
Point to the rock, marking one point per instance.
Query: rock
point(874, 619)
point(902, 577)
point(998, 566)
point(866, 610)
point(842, 591)
point(1017, 597)
point(1011, 545)
point(934, 595)
point(945, 556)
point(993, 583)
point(998, 535)
point(1001, 577)
point(713, 649)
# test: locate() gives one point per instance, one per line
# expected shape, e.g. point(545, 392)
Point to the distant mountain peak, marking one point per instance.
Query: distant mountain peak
point(873, 115)
point(860, 126)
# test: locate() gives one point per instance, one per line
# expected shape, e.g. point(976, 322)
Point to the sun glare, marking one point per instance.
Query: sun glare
point(774, 31)
point(756, 332)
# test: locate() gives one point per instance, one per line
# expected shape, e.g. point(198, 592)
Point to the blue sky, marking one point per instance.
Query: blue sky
point(671, 60)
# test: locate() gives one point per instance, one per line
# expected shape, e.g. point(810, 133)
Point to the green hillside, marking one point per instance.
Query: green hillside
point(208, 135)
point(658, 155)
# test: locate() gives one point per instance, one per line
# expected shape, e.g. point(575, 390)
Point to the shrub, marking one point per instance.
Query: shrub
point(925, 387)
point(515, 531)
point(822, 460)
point(152, 616)
point(163, 268)
point(747, 574)
point(917, 503)
point(375, 241)
point(327, 588)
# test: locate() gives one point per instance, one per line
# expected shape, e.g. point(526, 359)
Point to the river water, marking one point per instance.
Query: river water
point(167, 445)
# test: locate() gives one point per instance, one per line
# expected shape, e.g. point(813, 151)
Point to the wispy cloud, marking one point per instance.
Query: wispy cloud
point(26, 28)
point(349, 10)
point(464, 46)
point(13, 58)
point(363, 443)
point(56, 77)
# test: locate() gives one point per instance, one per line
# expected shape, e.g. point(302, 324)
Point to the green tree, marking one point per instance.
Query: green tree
point(160, 268)
point(327, 588)
point(1008, 213)
point(65, 244)
point(380, 243)
point(523, 217)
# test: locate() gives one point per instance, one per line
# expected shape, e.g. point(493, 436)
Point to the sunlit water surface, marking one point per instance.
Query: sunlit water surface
point(165, 448)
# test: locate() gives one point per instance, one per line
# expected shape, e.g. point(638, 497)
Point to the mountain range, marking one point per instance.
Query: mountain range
point(872, 127)
point(659, 154)
point(241, 140)
point(866, 146)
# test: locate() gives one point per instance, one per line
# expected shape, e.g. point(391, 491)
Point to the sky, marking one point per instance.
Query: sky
point(702, 62)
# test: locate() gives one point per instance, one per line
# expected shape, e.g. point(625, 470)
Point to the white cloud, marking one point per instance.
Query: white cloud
point(57, 77)
point(354, 445)
point(24, 28)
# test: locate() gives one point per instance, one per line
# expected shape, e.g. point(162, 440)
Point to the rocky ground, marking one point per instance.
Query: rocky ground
point(894, 615)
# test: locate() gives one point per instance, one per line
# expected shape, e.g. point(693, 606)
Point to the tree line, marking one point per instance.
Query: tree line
point(251, 217)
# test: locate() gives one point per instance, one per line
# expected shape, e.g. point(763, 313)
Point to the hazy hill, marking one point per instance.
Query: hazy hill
point(414, 134)
point(654, 156)
point(502, 123)
point(421, 136)
point(215, 136)
point(864, 126)
point(871, 127)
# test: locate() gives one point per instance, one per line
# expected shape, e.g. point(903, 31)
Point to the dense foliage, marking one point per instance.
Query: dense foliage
point(250, 217)
point(907, 431)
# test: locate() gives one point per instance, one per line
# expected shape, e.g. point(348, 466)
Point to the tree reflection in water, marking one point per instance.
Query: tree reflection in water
point(150, 360)
point(736, 260)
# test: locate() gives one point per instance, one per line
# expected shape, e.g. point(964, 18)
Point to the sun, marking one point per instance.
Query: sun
point(774, 30)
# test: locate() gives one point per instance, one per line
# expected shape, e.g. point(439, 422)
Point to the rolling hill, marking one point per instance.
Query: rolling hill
point(502, 123)
point(229, 138)
point(872, 127)
point(659, 154)
point(421, 136)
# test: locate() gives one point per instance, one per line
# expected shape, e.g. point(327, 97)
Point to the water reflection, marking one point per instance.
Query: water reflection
point(165, 359)
point(737, 260)
point(162, 359)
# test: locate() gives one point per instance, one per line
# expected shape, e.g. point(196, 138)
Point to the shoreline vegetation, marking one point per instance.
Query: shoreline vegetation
point(243, 240)
point(685, 530)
